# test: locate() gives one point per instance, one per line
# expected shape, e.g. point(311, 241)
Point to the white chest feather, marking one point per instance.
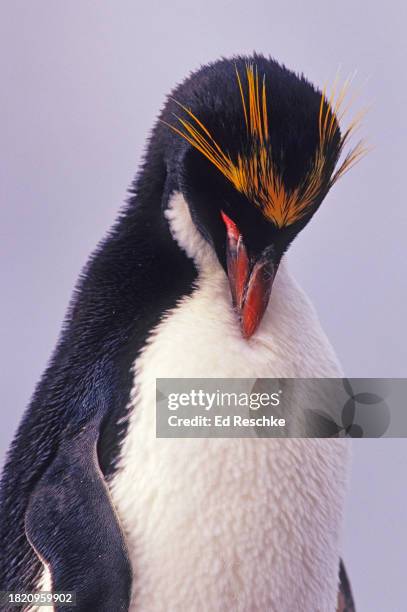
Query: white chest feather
point(245, 525)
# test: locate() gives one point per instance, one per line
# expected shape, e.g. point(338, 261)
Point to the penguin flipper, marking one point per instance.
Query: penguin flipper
point(71, 524)
point(345, 597)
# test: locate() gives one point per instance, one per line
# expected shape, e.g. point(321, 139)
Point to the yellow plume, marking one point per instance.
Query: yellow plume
point(254, 173)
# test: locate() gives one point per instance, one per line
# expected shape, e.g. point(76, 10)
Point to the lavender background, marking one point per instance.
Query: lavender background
point(81, 84)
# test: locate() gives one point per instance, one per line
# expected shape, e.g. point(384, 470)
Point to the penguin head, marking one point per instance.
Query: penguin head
point(257, 148)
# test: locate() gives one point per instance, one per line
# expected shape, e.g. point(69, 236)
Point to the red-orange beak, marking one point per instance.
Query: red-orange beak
point(250, 279)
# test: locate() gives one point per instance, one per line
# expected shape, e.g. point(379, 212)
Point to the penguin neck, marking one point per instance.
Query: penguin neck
point(188, 238)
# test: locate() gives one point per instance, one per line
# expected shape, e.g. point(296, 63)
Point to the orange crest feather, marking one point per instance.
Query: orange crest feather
point(254, 174)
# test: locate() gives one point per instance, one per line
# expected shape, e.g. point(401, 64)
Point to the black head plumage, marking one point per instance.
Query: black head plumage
point(254, 148)
point(251, 138)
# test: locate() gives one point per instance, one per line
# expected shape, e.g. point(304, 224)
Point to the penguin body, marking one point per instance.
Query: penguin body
point(90, 500)
point(228, 524)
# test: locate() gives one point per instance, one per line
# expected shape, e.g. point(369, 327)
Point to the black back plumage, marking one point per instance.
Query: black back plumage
point(135, 274)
